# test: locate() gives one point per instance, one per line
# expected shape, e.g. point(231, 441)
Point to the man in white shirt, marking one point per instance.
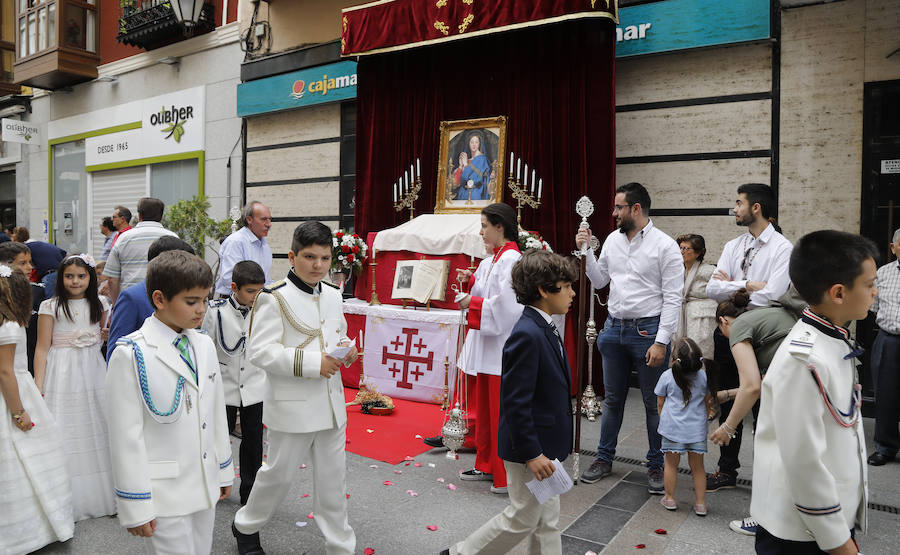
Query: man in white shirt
point(247, 243)
point(645, 273)
point(757, 261)
point(127, 262)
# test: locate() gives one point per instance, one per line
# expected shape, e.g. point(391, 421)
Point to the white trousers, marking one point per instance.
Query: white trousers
point(523, 518)
point(325, 450)
point(183, 535)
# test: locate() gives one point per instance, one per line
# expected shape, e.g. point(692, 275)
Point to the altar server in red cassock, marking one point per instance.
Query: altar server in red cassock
point(493, 311)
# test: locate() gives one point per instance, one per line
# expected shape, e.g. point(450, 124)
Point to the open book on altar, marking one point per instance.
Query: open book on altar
point(421, 280)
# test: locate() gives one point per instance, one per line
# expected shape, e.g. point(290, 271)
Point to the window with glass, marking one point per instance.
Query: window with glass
point(7, 39)
point(41, 23)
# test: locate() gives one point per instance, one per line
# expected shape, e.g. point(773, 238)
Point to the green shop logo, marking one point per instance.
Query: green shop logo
point(174, 119)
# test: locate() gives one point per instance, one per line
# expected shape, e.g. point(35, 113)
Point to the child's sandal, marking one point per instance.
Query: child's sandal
point(700, 509)
point(670, 504)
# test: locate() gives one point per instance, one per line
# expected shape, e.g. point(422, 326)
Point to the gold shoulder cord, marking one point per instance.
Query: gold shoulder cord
point(286, 314)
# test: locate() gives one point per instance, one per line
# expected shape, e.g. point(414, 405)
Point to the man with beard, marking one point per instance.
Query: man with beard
point(645, 273)
point(757, 261)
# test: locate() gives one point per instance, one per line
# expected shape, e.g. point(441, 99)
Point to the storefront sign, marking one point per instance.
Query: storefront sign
point(17, 131)
point(307, 87)
point(170, 124)
point(890, 166)
point(681, 24)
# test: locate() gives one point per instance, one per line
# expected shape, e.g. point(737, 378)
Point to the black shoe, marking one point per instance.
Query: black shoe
point(436, 441)
point(721, 480)
point(445, 552)
point(879, 459)
point(247, 544)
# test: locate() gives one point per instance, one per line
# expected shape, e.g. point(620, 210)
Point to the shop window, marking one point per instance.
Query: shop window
point(171, 182)
point(57, 42)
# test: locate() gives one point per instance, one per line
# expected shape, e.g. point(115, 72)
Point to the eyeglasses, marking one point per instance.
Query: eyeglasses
point(686, 249)
point(620, 207)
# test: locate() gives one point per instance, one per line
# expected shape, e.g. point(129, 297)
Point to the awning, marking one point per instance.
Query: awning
point(390, 25)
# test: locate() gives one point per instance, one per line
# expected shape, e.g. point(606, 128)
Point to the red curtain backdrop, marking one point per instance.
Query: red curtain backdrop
point(555, 85)
point(417, 22)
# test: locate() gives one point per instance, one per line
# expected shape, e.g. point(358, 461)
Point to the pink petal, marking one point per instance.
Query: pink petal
point(432, 527)
point(348, 496)
point(301, 524)
point(310, 515)
point(373, 466)
point(302, 466)
point(304, 496)
point(441, 480)
point(411, 493)
point(398, 472)
point(408, 458)
point(451, 487)
point(388, 483)
point(417, 465)
point(369, 551)
point(405, 464)
point(590, 553)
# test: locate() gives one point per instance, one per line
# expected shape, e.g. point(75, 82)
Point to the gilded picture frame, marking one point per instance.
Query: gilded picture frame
point(471, 165)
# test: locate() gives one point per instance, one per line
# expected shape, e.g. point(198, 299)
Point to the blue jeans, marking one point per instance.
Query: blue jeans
point(623, 347)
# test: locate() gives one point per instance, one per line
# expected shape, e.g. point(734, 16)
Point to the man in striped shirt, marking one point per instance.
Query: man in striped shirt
point(886, 359)
point(127, 262)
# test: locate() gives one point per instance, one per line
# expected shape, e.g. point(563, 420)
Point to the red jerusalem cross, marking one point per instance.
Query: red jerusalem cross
point(407, 359)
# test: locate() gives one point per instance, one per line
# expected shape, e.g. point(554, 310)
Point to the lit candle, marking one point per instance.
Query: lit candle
point(511, 155)
point(418, 168)
point(405, 182)
point(395, 192)
point(533, 174)
point(526, 177)
point(518, 168)
point(540, 185)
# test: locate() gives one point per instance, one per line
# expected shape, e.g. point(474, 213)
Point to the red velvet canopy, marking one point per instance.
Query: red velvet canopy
point(554, 83)
point(387, 25)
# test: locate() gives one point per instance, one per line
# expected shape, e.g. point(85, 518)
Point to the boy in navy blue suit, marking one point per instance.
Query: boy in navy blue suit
point(535, 409)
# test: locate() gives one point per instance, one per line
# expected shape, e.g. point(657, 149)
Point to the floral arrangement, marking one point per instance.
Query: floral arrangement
point(530, 240)
point(347, 252)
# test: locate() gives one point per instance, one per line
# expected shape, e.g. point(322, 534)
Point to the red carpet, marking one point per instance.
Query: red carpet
point(392, 438)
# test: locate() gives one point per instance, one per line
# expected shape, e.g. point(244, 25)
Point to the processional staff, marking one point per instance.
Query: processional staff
point(584, 208)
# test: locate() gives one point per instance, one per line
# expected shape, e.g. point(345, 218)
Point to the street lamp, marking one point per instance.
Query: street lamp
point(187, 12)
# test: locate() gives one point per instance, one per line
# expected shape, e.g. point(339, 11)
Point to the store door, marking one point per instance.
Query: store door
point(111, 188)
point(880, 214)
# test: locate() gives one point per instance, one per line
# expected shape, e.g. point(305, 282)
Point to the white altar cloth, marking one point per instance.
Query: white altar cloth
point(435, 234)
point(405, 350)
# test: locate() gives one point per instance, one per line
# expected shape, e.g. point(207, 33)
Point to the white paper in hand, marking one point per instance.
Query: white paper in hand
point(557, 484)
point(341, 352)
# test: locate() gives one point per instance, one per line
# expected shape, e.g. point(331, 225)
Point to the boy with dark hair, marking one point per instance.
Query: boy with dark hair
point(809, 473)
point(297, 329)
point(168, 433)
point(133, 306)
point(227, 321)
point(535, 410)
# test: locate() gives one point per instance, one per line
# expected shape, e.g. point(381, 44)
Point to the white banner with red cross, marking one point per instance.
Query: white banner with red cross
point(405, 353)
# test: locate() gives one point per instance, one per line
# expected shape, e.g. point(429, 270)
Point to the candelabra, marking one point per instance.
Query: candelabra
point(408, 198)
point(524, 194)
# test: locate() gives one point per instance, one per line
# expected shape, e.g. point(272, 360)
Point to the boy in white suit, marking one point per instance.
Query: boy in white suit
point(809, 464)
point(226, 322)
point(168, 433)
point(294, 325)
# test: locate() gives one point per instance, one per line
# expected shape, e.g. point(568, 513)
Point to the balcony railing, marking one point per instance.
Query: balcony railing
point(150, 24)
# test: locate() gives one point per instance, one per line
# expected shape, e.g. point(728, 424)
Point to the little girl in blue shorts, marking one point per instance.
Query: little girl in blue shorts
point(683, 400)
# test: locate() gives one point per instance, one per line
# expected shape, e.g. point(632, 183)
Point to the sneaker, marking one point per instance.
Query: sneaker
point(655, 481)
point(475, 475)
point(720, 480)
point(498, 490)
point(599, 469)
point(700, 509)
point(746, 526)
point(670, 504)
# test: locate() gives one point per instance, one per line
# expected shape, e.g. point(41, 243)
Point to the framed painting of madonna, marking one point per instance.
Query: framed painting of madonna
point(471, 164)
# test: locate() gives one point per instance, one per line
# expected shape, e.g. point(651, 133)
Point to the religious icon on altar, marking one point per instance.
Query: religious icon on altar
point(470, 167)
